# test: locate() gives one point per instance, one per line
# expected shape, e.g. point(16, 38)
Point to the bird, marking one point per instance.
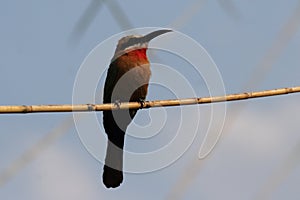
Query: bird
point(127, 79)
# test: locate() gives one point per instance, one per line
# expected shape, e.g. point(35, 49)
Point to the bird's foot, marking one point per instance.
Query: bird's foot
point(142, 102)
point(118, 103)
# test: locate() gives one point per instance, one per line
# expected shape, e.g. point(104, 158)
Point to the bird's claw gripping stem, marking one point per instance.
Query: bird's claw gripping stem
point(142, 102)
point(117, 103)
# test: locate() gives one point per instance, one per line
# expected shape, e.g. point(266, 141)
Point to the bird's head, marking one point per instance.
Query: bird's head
point(132, 42)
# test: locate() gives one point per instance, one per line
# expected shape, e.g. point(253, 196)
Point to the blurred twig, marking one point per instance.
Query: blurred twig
point(119, 15)
point(91, 12)
point(230, 8)
point(30, 154)
point(259, 73)
point(80, 28)
point(292, 160)
point(53, 135)
point(279, 174)
point(187, 14)
point(34, 151)
point(86, 19)
point(288, 30)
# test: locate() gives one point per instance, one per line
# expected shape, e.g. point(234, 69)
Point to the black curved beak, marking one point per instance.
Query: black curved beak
point(154, 34)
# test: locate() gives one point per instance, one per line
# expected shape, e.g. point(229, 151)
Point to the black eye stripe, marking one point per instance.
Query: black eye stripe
point(130, 42)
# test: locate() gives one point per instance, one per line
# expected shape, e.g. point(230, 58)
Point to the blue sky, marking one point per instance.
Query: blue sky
point(41, 55)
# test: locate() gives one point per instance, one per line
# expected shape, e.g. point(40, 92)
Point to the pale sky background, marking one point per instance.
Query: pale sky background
point(41, 54)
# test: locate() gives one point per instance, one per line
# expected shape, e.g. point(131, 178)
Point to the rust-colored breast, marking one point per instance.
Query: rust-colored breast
point(128, 77)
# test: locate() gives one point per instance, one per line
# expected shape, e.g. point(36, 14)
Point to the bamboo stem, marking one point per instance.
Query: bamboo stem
point(146, 104)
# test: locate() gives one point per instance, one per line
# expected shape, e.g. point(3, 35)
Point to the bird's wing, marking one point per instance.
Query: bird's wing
point(110, 82)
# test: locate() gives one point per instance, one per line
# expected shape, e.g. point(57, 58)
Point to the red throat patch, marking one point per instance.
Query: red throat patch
point(140, 53)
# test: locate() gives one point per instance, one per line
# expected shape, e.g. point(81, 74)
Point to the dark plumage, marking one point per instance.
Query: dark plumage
point(127, 80)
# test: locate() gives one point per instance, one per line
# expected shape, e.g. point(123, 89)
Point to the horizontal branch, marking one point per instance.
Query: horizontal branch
point(146, 104)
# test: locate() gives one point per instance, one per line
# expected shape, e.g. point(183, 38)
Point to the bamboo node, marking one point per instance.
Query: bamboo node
point(27, 109)
point(91, 107)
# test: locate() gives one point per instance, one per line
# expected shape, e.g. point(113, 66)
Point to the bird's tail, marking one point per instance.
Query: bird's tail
point(112, 171)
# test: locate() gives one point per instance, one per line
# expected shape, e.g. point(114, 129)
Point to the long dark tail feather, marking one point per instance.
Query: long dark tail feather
point(112, 178)
point(115, 128)
point(112, 171)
